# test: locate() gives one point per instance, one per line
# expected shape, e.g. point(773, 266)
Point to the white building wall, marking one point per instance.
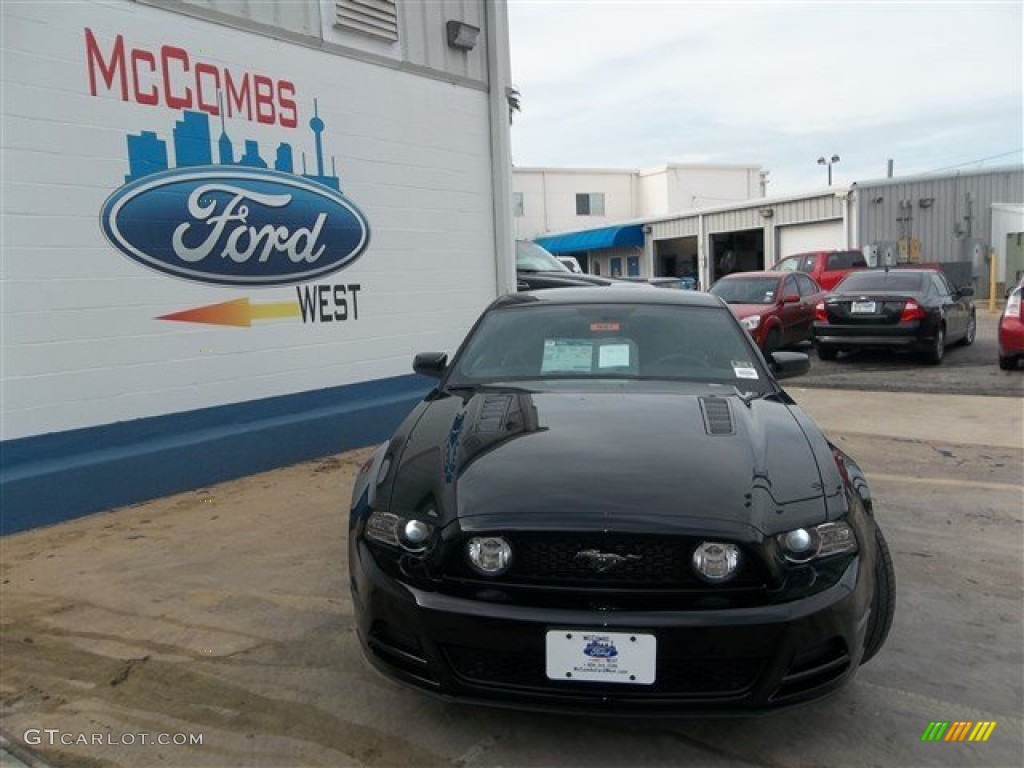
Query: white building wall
point(83, 342)
point(549, 194)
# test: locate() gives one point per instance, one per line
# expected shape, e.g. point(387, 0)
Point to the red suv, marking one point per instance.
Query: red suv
point(826, 267)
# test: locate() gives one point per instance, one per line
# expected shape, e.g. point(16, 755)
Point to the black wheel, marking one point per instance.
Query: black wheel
point(1008, 363)
point(772, 342)
point(937, 350)
point(972, 331)
point(826, 352)
point(883, 602)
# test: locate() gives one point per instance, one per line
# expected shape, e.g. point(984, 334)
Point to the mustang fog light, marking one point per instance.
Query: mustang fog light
point(490, 555)
point(414, 535)
point(803, 545)
point(716, 561)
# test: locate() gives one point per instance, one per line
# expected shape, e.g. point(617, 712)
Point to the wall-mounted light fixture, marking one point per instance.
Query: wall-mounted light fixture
point(647, 229)
point(462, 35)
point(877, 200)
point(766, 213)
point(926, 202)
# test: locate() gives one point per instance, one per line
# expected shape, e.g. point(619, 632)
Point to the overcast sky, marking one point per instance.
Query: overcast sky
point(633, 84)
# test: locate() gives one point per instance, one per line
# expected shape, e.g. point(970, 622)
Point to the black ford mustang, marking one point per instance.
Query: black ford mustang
point(608, 504)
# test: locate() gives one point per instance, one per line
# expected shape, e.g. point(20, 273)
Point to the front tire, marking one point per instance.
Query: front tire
point(883, 602)
point(1008, 363)
point(772, 341)
point(937, 350)
point(972, 331)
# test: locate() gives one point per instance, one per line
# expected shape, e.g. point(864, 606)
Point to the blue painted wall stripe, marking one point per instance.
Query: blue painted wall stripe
point(50, 478)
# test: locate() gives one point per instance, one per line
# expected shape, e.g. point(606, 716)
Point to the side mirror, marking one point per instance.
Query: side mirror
point(790, 298)
point(430, 363)
point(967, 290)
point(786, 365)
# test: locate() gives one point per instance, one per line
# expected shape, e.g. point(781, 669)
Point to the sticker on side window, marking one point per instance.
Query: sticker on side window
point(744, 370)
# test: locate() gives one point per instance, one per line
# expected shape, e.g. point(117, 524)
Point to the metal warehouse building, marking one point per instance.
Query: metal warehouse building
point(959, 220)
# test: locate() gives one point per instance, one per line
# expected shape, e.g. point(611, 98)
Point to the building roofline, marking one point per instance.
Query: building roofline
point(887, 182)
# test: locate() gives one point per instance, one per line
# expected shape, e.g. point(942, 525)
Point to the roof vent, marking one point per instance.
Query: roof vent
point(717, 416)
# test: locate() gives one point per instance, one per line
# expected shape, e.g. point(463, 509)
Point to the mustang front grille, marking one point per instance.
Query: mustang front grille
point(564, 559)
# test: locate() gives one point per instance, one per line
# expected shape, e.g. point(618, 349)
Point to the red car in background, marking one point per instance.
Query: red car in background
point(826, 268)
point(776, 308)
point(1011, 330)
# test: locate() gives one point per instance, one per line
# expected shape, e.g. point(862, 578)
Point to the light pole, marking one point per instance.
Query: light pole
point(829, 162)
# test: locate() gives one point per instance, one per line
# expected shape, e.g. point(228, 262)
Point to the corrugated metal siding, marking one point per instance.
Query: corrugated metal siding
point(682, 227)
point(823, 208)
point(302, 18)
point(948, 222)
point(425, 39)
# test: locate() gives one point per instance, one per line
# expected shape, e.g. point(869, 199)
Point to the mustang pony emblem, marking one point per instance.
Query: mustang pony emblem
point(603, 561)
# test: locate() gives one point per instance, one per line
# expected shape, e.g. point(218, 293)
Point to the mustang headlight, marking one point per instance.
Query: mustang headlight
point(805, 544)
point(751, 323)
point(716, 561)
point(489, 555)
point(396, 531)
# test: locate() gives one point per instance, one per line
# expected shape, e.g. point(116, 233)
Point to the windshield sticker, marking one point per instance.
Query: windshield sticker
point(744, 370)
point(567, 355)
point(598, 327)
point(613, 356)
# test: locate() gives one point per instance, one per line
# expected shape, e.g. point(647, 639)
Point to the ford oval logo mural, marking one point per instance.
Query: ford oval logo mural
point(238, 226)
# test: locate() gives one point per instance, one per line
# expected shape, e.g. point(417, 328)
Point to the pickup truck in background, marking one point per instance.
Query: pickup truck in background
point(826, 267)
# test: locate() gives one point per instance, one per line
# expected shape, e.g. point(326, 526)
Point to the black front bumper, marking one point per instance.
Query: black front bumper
point(708, 661)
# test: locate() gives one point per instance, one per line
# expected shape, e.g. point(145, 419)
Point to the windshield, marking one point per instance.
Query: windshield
point(530, 257)
point(747, 290)
point(615, 341)
point(861, 282)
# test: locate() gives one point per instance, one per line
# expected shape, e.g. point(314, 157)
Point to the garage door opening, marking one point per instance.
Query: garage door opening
point(736, 252)
point(676, 257)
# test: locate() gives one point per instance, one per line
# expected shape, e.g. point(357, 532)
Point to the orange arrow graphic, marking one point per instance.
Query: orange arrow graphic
point(238, 312)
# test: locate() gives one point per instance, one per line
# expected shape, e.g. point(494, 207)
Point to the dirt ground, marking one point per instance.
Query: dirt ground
point(225, 613)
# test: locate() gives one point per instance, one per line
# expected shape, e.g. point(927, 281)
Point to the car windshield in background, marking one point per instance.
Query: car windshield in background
point(530, 257)
point(594, 341)
point(747, 290)
point(863, 282)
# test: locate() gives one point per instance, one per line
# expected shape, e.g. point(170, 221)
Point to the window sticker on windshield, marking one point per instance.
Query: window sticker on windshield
point(613, 356)
point(744, 370)
point(599, 327)
point(567, 355)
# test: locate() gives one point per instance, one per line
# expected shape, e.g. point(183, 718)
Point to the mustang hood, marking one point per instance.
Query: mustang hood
point(611, 459)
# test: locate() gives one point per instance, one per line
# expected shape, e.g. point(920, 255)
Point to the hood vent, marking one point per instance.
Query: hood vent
point(492, 413)
point(717, 416)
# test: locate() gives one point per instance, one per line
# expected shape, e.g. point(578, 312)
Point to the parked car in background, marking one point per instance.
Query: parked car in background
point(1011, 330)
point(538, 268)
point(827, 268)
point(608, 504)
point(777, 308)
point(901, 309)
point(571, 264)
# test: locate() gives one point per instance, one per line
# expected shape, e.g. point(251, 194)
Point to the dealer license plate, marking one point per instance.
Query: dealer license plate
point(603, 657)
point(863, 307)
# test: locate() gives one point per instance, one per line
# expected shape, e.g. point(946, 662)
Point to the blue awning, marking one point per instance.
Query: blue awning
point(593, 239)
